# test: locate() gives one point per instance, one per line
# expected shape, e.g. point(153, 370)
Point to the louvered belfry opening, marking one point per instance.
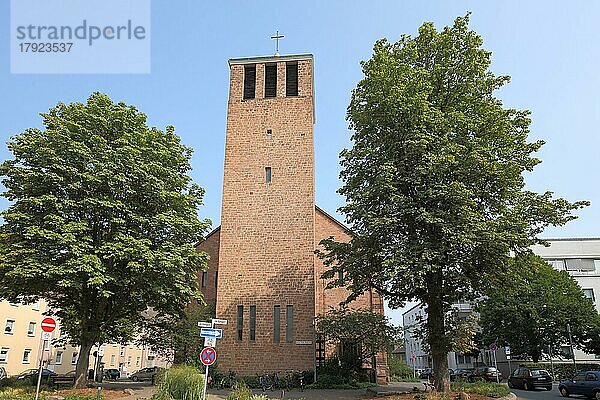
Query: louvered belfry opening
point(270, 80)
point(291, 79)
point(249, 81)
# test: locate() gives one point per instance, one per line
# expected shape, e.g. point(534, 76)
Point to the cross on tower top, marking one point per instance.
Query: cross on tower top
point(277, 37)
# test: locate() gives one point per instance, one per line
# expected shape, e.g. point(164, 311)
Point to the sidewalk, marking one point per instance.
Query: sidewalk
point(332, 394)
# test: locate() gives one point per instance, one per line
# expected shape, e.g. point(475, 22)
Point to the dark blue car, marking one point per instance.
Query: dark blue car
point(583, 383)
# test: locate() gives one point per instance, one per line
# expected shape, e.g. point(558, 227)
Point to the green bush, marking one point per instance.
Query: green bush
point(398, 367)
point(397, 378)
point(488, 389)
point(180, 383)
point(243, 392)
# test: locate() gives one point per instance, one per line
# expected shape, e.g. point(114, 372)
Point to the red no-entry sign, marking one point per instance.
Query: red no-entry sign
point(208, 356)
point(48, 324)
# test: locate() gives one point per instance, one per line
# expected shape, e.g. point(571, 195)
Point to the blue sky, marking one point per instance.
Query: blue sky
point(549, 48)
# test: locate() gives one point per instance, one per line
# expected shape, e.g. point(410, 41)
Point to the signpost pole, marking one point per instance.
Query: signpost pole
point(48, 324)
point(39, 379)
point(205, 383)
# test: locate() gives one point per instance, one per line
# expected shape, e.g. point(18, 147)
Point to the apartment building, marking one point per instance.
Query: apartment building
point(580, 257)
point(20, 346)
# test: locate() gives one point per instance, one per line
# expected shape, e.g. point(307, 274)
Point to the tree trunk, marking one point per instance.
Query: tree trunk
point(83, 363)
point(438, 342)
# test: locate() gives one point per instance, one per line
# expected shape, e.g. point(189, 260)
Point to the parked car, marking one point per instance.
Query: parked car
point(32, 374)
point(489, 374)
point(426, 373)
point(583, 383)
point(3, 373)
point(112, 374)
point(461, 374)
point(530, 378)
point(144, 374)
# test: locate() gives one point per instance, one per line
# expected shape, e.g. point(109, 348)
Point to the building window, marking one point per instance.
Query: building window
point(589, 293)
point(291, 79)
point(3, 355)
point(204, 279)
point(10, 325)
point(122, 351)
point(112, 359)
point(557, 264)
point(31, 329)
point(289, 328)
point(269, 132)
point(58, 358)
point(74, 358)
point(137, 362)
point(26, 356)
point(216, 277)
point(128, 361)
point(36, 306)
point(240, 322)
point(270, 80)
point(252, 322)
point(268, 174)
point(580, 264)
point(249, 81)
point(276, 323)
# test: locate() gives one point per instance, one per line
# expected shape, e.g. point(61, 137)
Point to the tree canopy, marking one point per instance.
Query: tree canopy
point(434, 181)
point(531, 309)
point(102, 221)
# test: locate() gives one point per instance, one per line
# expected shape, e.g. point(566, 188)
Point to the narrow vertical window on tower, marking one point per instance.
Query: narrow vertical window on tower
point(268, 174)
point(291, 79)
point(276, 323)
point(289, 326)
point(249, 81)
point(270, 80)
point(240, 322)
point(252, 322)
point(204, 279)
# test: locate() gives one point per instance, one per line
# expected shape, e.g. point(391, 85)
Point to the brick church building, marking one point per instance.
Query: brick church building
point(263, 274)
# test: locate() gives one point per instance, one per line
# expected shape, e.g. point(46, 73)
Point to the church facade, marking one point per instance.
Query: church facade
point(263, 274)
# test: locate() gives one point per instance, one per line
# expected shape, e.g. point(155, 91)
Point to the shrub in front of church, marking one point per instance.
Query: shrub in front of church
point(180, 383)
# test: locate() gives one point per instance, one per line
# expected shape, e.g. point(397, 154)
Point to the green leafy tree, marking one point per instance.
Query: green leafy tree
point(179, 336)
point(360, 334)
point(531, 309)
point(102, 222)
point(434, 182)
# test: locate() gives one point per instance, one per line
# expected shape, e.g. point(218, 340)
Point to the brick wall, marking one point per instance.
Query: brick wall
point(210, 246)
point(326, 299)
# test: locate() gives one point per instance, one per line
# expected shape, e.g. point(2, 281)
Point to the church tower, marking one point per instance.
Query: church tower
point(266, 262)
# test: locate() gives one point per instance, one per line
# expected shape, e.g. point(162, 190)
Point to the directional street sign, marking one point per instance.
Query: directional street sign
point(208, 356)
point(211, 332)
point(210, 342)
point(48, 324)
point(203, 324)
point(219, 321)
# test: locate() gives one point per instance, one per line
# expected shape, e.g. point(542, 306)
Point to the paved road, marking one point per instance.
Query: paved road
point(541, 394)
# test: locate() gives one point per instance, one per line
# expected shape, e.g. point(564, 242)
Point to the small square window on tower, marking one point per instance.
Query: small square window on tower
point(249, 81)
point(291, 79)
point(268, 174)
point(270, 80)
